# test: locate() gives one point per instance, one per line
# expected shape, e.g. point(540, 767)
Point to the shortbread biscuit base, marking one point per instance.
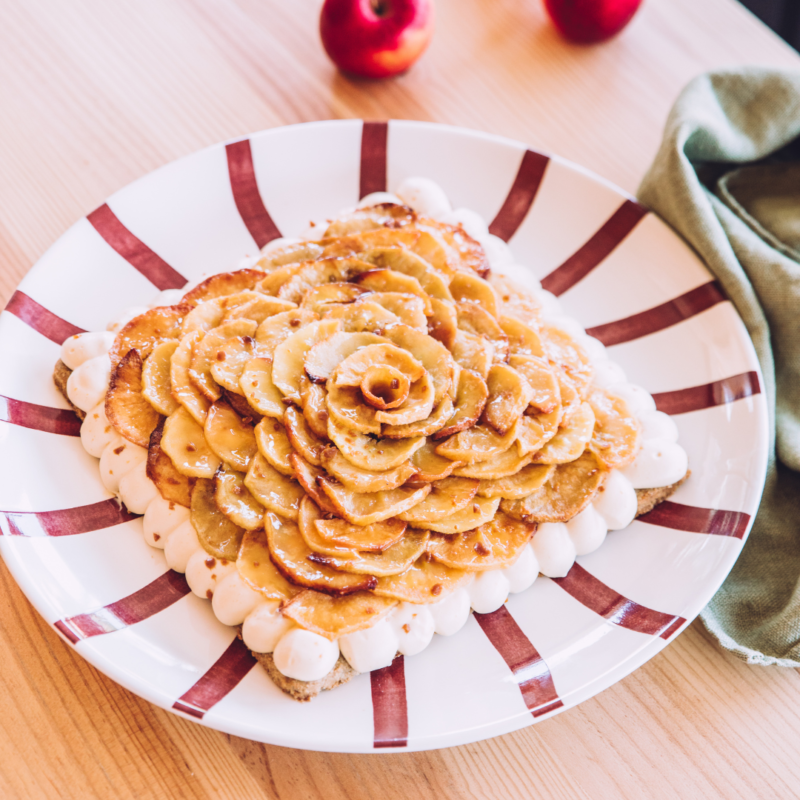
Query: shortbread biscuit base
point(60, 377)
point(648, 499)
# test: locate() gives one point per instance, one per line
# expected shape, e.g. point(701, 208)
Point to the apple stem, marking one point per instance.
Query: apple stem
point(378, 7)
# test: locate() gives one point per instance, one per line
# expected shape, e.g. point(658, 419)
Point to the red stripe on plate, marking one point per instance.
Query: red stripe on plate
point(718, 393)
point(584, 260)
point(521, 195)
point(661, 317)
point(223, 677)
point(40, 319)
point(698, 520)
point(611, 605)
point(246, 195)
point(389, 705)
point(374, 137)
point(134, 250)
point(528, 667)
point(65, 521)
point(62, 421)
point(155, 597)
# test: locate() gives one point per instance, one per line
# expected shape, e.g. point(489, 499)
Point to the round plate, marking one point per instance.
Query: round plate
point(84, 565)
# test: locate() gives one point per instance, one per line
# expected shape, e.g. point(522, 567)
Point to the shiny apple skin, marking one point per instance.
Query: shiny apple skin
point(376, 45)
point(590, 21)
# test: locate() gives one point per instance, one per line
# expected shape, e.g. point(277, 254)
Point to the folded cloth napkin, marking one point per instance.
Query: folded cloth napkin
point(745, 223)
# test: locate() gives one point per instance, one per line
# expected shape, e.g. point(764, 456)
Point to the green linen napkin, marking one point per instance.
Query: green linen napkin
point(745, 223)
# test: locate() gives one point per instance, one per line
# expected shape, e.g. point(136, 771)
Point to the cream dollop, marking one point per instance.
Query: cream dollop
point(82, 347)
point(160, 519)
point(118, 458)
point(414, 627)
point(370, 649)
point(136, 490)
point(204, 573)
point(264, 626)
point(96, 431)
point(450, 615)
point(658, 463)
point(305, 656)
point(234, 599)
point(87, 384)
point(554, 549)
point(489, 591)
point(523, 572)
point(425, 196)
point(376, 198)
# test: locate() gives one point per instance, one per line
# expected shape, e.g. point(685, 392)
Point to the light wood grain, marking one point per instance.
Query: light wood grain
point(94, 94)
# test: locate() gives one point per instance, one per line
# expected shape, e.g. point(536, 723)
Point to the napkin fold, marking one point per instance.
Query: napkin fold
point(727, 178)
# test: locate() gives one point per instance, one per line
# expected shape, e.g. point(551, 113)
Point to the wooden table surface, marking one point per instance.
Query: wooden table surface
point(94, 94)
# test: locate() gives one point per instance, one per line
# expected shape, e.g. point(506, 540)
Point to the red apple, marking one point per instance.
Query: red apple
point(376, 38)
point(588, 21)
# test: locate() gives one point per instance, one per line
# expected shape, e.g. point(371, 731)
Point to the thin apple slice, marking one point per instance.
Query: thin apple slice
point(317, 273)
point(273, 443)
point(204, 316)
point(616, 431)
point(496, 544)
point(156, 382)
point(502, 465)
point(328, 353)
point(446, 497)
point(351, 370)
point(278, 278)
point(518, 485)
point(462, 252)
point(566, 493)
point(479, 322)
point(360, 317)
point(478, 443)
point(516, 301)
point(570, 396)
point(532, 435)
point(509, 396)
point(377, 455)
point(366, 538)
point(314, 401)
point(334, 617)
point(272, 489)
point(401, 260)
point(183, 389)
point(478, 512)
point(346, 406)
point(385, 387)
point(234, 500)
point(365, 219)
point(470, 401)
point(276, 329)
point(408, 308)
point(259, 390)
point(522, 339)
point(290, 253)
point(542, 380)
point(301, 437)
point(366, 241)
point(288, 359)
point(425, 581)
point(309, 477)
point(443, 322)
point(430, 465)
point(290, 555)
point(561, 349)
point(467, 288)
point(426, 427)
point(173, 486)
point(143, 332)
point(318, 298)
point(257, 307)
point(223, 284)
point(306, 519)
point(185, 443)
point(386, 280)
point(570, 441)
point(217, 534)
point(363, 480)
point(227, 365)
point(206, 351)
point(368, 508)
point(473, 353)
point(127, 409)
point(238, 402)
point(417, 406)
point(257, 570)
point(232, 439)
point(392, 561)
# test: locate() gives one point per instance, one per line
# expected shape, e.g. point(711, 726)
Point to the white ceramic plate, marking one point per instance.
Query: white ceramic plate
point(87, 570)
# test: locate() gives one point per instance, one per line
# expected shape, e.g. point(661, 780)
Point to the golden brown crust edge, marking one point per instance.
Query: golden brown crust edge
point(60, 377)
point(648, 499)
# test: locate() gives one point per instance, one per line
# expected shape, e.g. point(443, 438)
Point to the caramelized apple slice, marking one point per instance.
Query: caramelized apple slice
point(171, 484)
point(157, 385)
point(506, 463)
point(276, 329)
point(425, 581)
point(257, 570)
point(516, 302)
point(566, 493)
point(532, 435)
point(446, 497)
point(314, 400)
point(367, 538)
point(442, 324)
point(309, 477)
point(522, 339)
point(219, 536)
point(143, 332)
point(183, 390)
point(542, 380)
point(204, 317)
point(238, 402)
point(278, 278)
point(184, 442)
point(361, 316)
point(205, 353)
point(317, 273)
point(478, 443)
point(494, 545)
point(365, 219)
point(478, 512)
point(234, 500)
point(301, 437)
point(479, 322)
point(385, 387)
point(309, 514)
point(327, 354)
point(377, 455)
point(462, 252)
point(127, 409)
point(401, 260)
point(273, 490)
point(351, 370)
point(288, 360)
point(616, 430)
point(257, 386)
point(509, 395)
point(571, 440)
point(386, 280)
point(333, 617)
point(274, 444)
point(472, 352)
point(363, 480)
point(319, 297)
point(256, 307)
point(425, 427)
point(230, 360)
point(223, 284)
point(291, 556)
point(417, 406)
point(408, 308)
point(392, 561)
point(291, 253)
point(470, 401)
point(520, 484)
point(363, 243)
point(232, 439)
point(430, 465)
point(367, 508)
point(561, 349)
point(468, 288)
point(347, 407)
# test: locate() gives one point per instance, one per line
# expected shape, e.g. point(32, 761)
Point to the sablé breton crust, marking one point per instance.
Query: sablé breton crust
point(390, 382)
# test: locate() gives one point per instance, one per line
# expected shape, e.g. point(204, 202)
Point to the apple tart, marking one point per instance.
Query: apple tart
point(357, 438)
